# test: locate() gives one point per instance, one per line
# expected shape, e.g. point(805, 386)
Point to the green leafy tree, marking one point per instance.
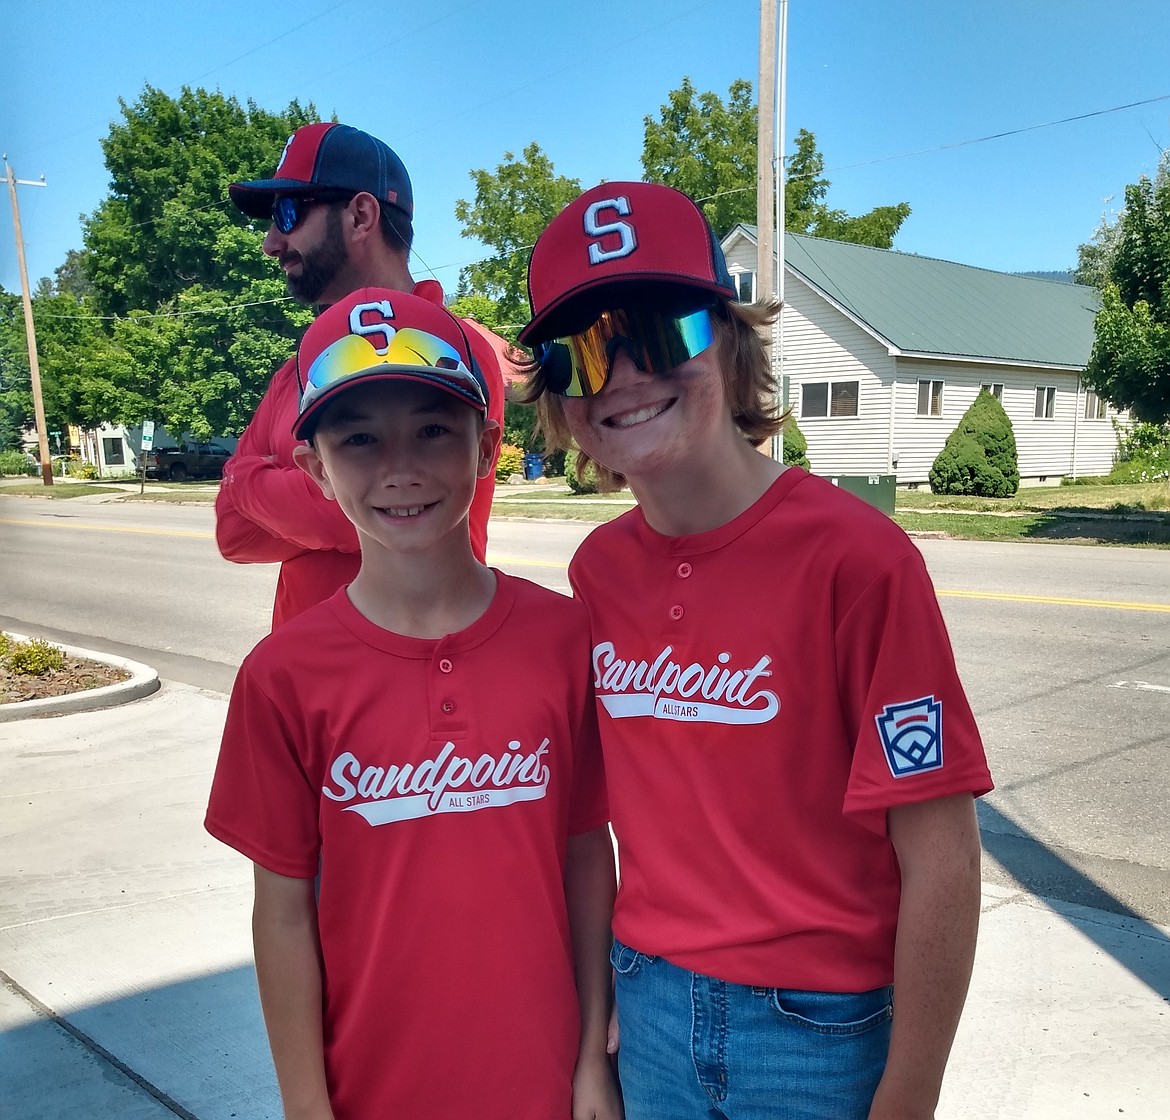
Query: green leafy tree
point(16, 406)
point(511, 208)
point(171, 312)
point(979, 456)
point(707, 148)
point(1130, 363)
point(167, 223)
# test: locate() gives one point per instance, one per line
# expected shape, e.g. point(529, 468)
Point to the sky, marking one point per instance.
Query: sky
point(901, 96)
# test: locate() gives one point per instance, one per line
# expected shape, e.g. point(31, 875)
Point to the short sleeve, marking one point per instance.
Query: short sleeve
point(263, 803)
point(913, 733)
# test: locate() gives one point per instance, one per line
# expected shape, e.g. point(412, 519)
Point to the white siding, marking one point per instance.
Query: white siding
point(1044, 447)
point(823, 344)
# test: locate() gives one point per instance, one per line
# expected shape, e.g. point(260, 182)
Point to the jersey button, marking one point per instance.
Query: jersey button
point(445, 665)
point(676, 612)
point(448, 706)
point(683, 570)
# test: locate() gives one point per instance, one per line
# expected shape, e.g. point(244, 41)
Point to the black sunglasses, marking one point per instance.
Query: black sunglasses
point(288, 210)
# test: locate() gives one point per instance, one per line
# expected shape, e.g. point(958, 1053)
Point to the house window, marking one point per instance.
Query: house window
point(1045, 402)
point(994, 388)
point(113, 451)
point(930, 398)
point(829, 398)
point(745, 286)
point(1094, 406)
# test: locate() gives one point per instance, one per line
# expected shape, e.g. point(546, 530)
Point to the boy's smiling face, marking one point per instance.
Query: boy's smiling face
point(401, 460)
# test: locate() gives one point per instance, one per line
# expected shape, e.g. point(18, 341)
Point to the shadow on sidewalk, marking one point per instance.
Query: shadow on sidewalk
point(192, 1049)
point(1042, 872)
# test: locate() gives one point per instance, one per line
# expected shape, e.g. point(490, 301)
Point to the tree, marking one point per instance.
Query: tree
point(171, 312)
point(511, 208)
point(1130, 362)
point(16, 405)
point(707, 148)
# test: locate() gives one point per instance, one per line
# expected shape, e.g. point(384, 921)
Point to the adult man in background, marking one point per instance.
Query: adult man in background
point(341, 208)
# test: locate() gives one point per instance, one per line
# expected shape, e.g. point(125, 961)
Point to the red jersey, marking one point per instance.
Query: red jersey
point(436, 802)
point(268, 510)
point(766, 691)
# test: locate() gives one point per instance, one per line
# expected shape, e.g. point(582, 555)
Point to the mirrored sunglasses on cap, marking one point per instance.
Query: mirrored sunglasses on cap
point(657, 340)
point(411, 352)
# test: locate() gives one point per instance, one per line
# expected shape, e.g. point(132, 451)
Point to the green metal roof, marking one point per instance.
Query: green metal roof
point(926, 306)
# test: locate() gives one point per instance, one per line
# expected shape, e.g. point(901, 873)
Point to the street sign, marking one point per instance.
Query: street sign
point(147, 434)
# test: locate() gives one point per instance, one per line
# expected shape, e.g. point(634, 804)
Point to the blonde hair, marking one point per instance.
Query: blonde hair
point(744, 364)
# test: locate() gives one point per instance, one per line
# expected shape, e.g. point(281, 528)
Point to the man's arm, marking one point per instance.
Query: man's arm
point(937, 843)
point(288, 971)
point(267, 508)
point(590, 886)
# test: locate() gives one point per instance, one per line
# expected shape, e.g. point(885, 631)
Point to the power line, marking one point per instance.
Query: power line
point(1000, 135)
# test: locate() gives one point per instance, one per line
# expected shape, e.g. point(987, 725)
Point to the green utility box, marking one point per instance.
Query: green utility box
point(877, 489)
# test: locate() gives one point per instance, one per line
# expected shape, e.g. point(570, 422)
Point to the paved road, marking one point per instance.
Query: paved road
point(1065, 651)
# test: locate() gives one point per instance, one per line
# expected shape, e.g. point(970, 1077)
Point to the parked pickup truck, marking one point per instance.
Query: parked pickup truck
point(188, 460)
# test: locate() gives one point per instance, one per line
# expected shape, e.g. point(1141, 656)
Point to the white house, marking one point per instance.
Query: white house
point(882, 353)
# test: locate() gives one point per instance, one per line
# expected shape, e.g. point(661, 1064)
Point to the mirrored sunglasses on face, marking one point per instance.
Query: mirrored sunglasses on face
point(288, 211)
point(578, 365)
point(435, 359)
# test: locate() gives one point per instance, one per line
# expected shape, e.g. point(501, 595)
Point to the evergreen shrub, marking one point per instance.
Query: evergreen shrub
point(795, 445)
point(579, 484)
point(979, 456)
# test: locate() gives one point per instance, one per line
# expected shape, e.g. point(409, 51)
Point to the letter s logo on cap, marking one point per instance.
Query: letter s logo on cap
point(358, 326)
point(624, 230)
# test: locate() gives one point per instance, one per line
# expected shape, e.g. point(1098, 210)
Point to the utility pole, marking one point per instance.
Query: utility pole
point(34, 368)
point(765, 110)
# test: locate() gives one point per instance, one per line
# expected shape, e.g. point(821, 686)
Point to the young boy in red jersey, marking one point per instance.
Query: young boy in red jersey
point(790, 757)
point(425, 742)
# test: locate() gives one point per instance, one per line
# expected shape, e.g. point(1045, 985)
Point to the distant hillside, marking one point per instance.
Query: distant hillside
point(1065, 277)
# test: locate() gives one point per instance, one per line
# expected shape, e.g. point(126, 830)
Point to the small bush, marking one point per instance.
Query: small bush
point(1143, 453)
point(79, 468)
point(5, 646)
point(34, 658)
point(795, 445)
point(554, 463)
point(585, 483)
point(16, 462)
point(979, 456)
point(510, 462)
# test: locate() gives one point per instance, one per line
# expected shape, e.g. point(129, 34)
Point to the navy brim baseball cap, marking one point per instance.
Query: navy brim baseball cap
point(331, 160)
point(376, 334)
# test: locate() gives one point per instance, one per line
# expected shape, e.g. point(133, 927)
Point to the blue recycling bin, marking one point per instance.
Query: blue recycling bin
point(533, 466)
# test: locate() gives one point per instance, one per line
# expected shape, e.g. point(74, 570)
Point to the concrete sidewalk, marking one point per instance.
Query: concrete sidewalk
point(126, 988)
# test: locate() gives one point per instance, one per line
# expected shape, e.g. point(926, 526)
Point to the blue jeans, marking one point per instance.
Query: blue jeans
point(697, 1048)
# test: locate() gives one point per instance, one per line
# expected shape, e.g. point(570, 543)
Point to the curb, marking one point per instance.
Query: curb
point(143, 681)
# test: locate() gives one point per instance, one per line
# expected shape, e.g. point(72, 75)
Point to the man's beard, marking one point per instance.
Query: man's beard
point(321, 264)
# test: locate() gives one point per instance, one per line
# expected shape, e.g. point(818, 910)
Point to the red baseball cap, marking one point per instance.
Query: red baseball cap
point(615, 235)
point(376, 334)
point(333, 158)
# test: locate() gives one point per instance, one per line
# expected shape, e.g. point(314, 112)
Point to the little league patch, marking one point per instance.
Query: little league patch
point(911, 734)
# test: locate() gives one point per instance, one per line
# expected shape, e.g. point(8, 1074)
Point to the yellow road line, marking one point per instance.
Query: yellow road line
point(1060, 601)
point(494, 558)
point(108, 528)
